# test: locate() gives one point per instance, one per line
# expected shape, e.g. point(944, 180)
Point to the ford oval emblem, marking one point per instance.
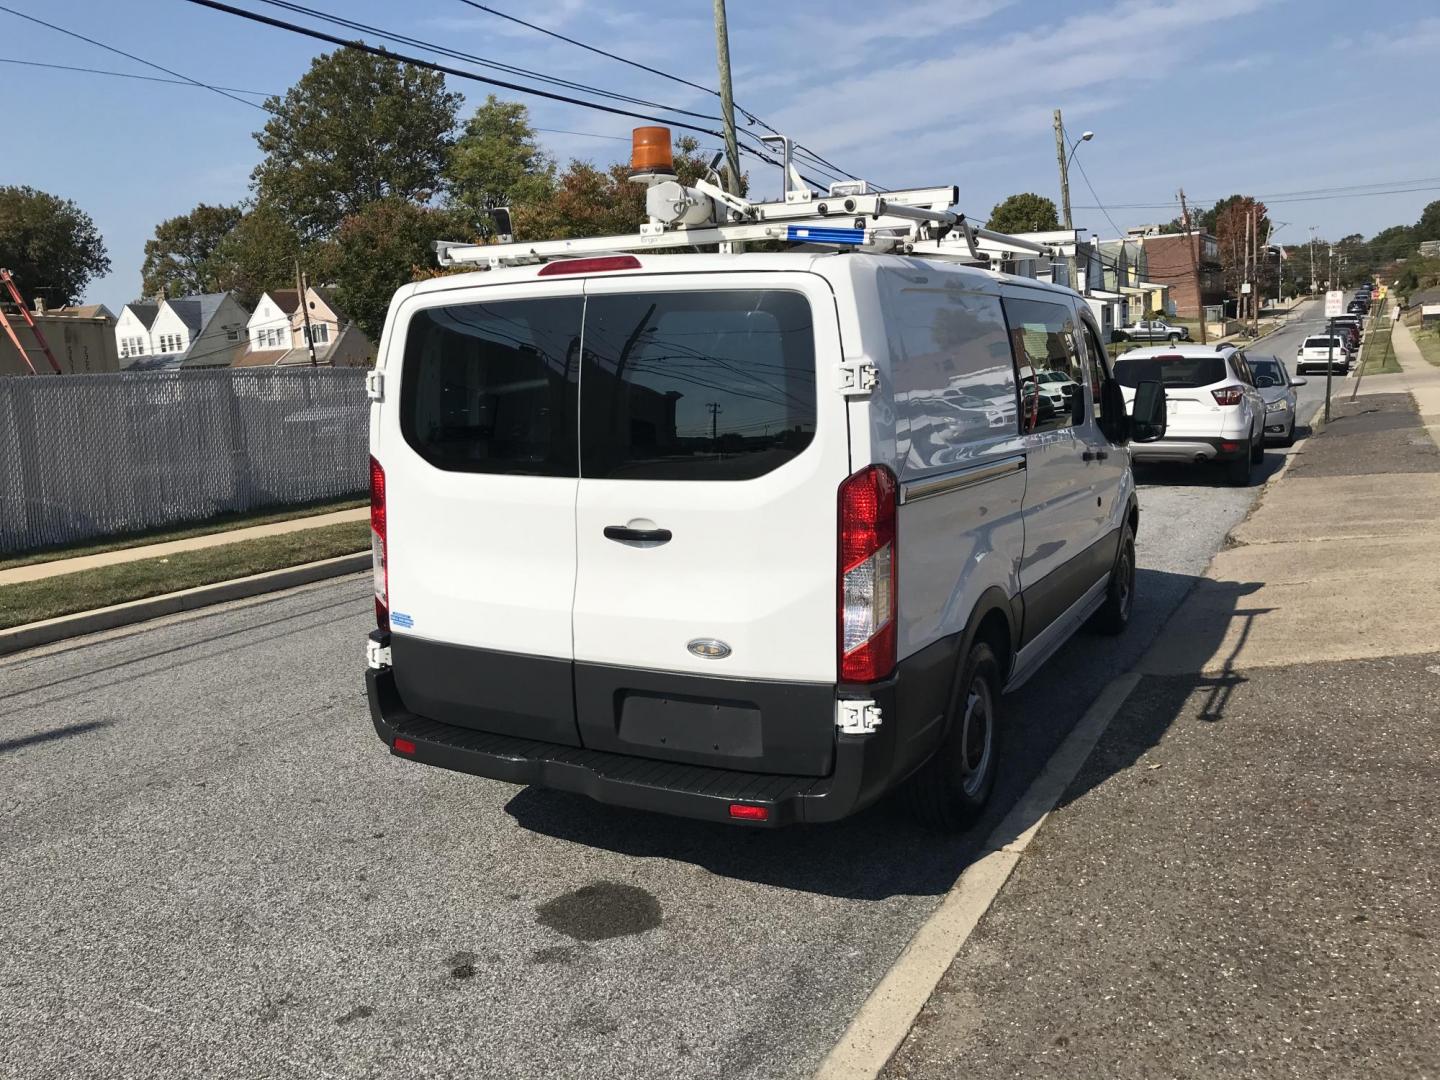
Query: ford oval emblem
point(709, 648)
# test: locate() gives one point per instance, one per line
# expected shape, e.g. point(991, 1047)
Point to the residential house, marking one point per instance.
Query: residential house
point(1172, 259)
point(132, 331)
point(85, 311)
point(1127, 271)
point(277, 332)
point(203, 330)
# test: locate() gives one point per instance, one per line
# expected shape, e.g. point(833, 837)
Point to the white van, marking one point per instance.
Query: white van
point(751, 538)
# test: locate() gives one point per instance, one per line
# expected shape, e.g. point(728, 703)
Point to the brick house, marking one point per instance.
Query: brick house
point(1170, 261)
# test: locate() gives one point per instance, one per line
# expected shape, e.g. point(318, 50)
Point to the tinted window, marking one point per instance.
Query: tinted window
point(1171, 370)
point(488, 387)
point(1267, 369)
point(696, 385)
point(1319, 342)
point(951, 367)
point(1042, 335)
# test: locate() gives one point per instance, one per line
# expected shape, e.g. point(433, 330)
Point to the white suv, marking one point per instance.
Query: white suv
point(750, 538)
point(1215, 412)
point(1324, 351)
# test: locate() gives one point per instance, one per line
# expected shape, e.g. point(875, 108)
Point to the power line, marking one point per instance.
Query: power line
point(388, 54)
point(129, 75)
point(130, 56)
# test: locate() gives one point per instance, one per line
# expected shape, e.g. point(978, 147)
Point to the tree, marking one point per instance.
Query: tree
point(1428, 227)
point(380, 248)
point(1396, 242)
point(259, 253)
point(1025, 212)
point(496, 161)
point(181, 258)
point(588, 201)
point(50, 244)
point(355, 129)
point(1228, 221)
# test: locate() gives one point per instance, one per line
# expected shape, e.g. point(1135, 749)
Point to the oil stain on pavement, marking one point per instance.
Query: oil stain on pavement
point(601, 910)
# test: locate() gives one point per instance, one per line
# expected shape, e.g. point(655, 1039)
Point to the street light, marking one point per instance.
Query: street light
point(1085, 136)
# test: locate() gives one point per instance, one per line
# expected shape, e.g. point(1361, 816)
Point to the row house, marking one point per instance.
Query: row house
point(277, 335)
point(202, 330)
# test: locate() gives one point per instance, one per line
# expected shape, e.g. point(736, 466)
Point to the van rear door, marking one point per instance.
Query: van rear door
point(713, 441)
point(481, 462)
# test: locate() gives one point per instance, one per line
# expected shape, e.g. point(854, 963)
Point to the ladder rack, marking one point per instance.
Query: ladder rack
point(849, 216)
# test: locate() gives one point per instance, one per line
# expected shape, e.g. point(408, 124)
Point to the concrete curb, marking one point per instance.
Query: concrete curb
point(152, 607)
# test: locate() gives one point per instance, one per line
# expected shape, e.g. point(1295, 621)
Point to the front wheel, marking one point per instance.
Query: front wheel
point(951, 789)
point(1174, 338)
point(1289, 439)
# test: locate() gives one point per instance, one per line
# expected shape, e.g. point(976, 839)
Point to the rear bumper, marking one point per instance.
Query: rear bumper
point(863, 767)
point(1188, 448)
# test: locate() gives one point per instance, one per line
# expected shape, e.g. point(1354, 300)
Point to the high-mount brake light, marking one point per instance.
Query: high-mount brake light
point(1227, 395)
point(867, 575)
point(590, 266)
point(377, 545)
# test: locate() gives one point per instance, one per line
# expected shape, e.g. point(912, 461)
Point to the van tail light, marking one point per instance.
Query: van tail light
point(1227, 395)
point(867, 575)
point(377, 545)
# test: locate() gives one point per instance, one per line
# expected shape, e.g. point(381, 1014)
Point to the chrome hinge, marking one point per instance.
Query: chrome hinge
point(857, 717)
point(377, 655)
point(857, 376)
point(375, 385)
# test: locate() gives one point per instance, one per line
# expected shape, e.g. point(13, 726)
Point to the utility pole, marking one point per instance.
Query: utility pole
point(1242, 310)
point(715, 411)
point(1312, 257)
point(1194, 264)
point(1064, 172)
point(300, 284)
point(727, 100)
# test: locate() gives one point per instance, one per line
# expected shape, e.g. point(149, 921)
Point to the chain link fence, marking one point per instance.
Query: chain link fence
point(83, 456)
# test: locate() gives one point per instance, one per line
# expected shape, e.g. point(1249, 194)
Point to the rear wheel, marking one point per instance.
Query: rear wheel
point(952, 788)
point(1114, 615)
point(1237, 470)
point(1257, 448)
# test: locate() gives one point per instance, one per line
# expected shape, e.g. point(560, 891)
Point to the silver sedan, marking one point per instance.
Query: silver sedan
point(1277, 388)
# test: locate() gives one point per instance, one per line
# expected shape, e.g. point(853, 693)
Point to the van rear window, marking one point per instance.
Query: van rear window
point(1171, 370)
point(491, 387)
point(715, 385)
point(696, 385)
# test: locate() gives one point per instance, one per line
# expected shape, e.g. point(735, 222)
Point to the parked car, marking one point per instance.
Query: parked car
point(1215, 413)
point(1361, 307)
point(1277, 390)
point(1152, 330)
point(697, 604)
point(1324, 351)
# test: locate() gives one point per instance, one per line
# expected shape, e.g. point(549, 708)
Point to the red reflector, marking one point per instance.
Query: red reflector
point(1228, 447)
point(749, 813)
point(590, 266)
point(403, 746)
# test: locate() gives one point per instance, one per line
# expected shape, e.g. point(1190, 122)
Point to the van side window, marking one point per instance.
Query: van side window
point(950, 362)
point(1043, 337)
point(1095, 358)
point(715, 385)
point(489, 388)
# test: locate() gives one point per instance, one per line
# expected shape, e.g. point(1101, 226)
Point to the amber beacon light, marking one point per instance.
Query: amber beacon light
point(650, 153)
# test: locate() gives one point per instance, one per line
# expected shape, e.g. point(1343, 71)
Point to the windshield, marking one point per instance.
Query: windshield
point(1269, 369)
point(1171, 370)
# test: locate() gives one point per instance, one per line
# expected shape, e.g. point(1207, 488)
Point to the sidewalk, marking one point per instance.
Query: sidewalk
point(1244, 879)
point(38, 571)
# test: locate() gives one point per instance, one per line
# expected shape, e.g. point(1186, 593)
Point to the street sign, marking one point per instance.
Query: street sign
point(1334, 303)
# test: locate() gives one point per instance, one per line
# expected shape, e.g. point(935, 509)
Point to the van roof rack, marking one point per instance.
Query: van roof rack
point(847, 217)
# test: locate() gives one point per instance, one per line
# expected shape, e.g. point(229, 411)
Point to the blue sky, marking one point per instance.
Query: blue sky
point(1268, 97)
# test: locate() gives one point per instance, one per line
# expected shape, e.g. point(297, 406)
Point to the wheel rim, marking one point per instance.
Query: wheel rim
point(1127, 582)
point(977, 736)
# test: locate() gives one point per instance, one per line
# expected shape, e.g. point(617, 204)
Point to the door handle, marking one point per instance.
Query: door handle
point(1094, 455)
point(624, 532)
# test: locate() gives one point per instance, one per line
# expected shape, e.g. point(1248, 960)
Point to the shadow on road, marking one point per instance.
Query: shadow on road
point(6, 745)
point(881, 852)
point(1209, 475)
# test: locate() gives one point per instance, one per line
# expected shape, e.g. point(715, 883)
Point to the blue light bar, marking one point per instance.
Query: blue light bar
point(813, 234)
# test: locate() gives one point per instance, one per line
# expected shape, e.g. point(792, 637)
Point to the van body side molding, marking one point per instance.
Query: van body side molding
point(973, 476)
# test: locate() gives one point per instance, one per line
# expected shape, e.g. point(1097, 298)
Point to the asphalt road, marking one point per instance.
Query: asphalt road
point(210, 866)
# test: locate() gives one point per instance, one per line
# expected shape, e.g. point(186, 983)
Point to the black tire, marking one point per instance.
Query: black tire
point(1173, 338)
point(1257, 448)
point(950, 790)
point(1237, 469)
point(1289, 439)
point(1114, 614)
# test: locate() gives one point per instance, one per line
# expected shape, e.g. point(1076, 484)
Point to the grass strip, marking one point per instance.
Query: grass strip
point(1429, 342)
point(85, 590)
point(223, 523)
point(1380, 358)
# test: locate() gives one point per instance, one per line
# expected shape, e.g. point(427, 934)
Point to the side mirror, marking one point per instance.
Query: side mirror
point(1147, 416)
point(1262, 381)
point(1299, 382)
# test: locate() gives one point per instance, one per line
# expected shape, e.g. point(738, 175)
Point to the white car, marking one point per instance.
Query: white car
point(1214, 411)
point(772, 543)
point(1324, 351)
